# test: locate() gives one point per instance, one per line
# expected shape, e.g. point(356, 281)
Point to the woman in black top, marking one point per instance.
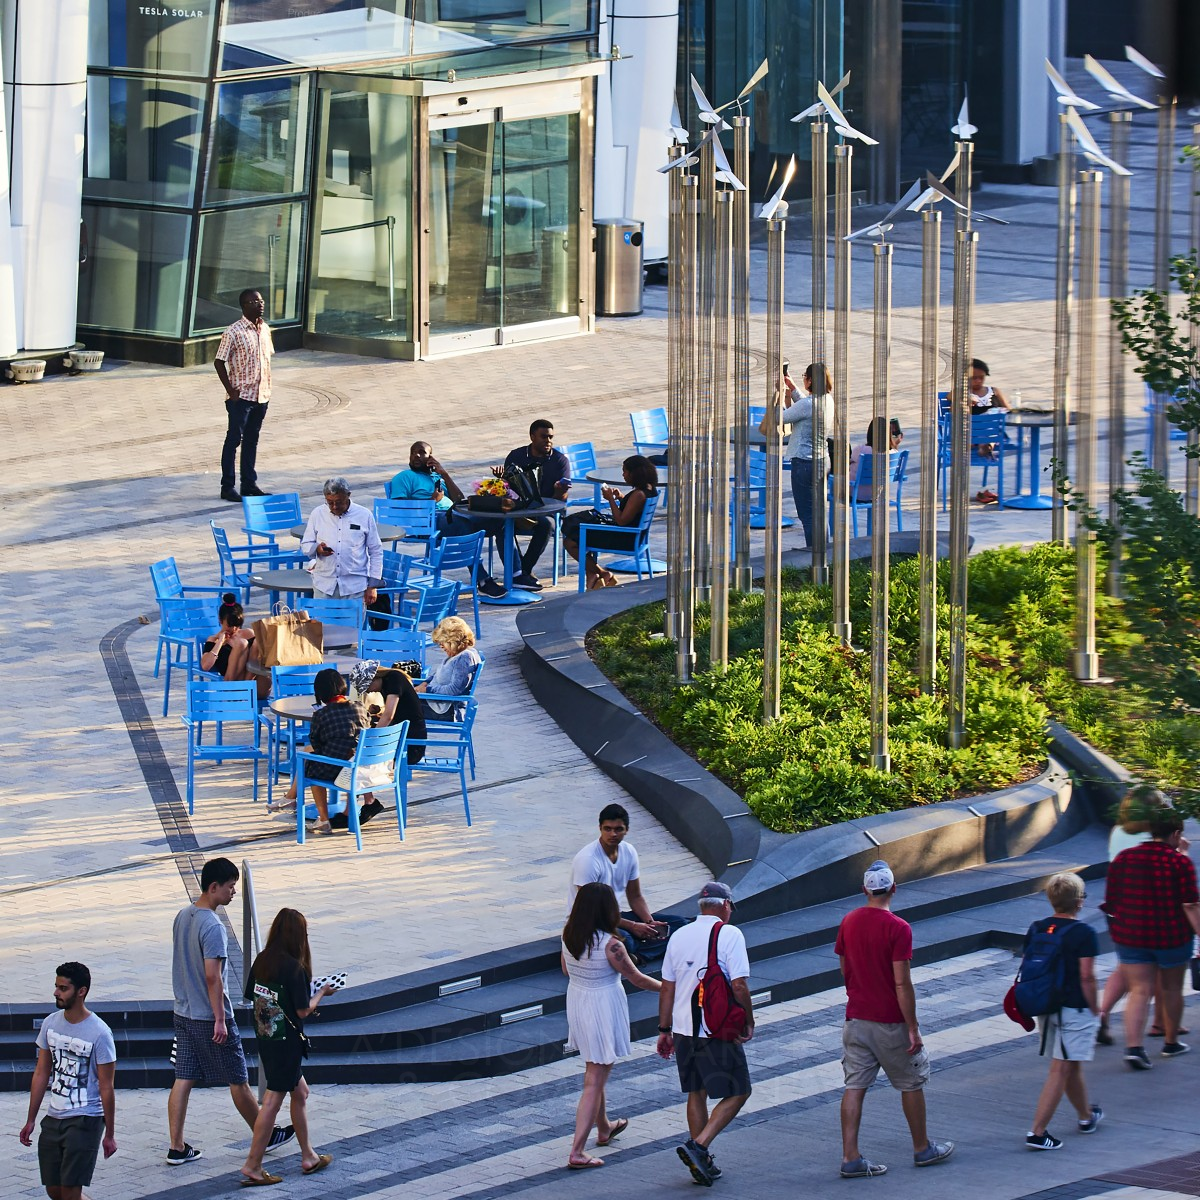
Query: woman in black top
point(400, 703)
point(228, 650)
point(624, 511)
point(279, 985)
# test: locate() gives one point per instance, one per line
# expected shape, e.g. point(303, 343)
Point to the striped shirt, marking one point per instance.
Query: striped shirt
point(246, 351)
point(1148, 885)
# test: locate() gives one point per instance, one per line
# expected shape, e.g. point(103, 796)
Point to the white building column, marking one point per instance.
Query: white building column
point(633, 113)
point(9, 342)
point(46, 44)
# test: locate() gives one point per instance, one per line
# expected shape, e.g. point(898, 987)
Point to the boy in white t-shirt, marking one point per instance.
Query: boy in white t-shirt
point(76, 1063)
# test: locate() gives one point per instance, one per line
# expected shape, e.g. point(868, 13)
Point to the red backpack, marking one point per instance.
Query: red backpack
point(724, 1016)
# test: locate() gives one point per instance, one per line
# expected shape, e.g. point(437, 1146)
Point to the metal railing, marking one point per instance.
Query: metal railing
point(251, 934)
point(390, 222)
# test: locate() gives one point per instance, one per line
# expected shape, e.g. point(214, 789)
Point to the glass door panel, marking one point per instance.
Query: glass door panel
point(360, 280)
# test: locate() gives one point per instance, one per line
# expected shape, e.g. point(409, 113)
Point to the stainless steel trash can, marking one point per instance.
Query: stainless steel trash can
point(618, 267)
point(559, 279)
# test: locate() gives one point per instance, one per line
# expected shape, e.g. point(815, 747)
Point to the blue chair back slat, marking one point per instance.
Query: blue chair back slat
point(650, 429)
point(333, 610)
point(272, 514)
point(458, 553)
point(294, 681)
point(393, 645)
point(418, 517)
point(165, 576)
point(378, 746)
point(440, 600)
point(221, 703)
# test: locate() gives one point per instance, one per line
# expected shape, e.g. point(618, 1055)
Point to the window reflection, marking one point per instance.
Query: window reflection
point(259, 145)
point(248, 247)
point(174, 39)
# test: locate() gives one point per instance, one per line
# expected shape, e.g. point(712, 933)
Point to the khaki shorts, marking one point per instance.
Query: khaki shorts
point(869, 1045)
point(1069, 1035)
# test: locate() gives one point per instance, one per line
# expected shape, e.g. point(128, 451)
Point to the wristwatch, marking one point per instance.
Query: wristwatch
point(665, 1029)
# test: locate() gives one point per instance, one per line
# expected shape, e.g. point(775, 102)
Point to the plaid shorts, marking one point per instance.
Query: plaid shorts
point(199, 1059)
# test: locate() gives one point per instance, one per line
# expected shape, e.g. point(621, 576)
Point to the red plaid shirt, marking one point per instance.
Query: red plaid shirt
point(1148, 885)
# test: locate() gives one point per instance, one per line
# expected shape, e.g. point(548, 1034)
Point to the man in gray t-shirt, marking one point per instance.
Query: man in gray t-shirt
point(208, 1047)
point(76, 1064)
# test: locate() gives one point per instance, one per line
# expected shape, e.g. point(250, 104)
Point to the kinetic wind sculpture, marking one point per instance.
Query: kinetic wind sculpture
point(1192, 489)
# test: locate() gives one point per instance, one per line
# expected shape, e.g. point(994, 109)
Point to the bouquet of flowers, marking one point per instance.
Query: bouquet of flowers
point(491, 495)
point(493, 487)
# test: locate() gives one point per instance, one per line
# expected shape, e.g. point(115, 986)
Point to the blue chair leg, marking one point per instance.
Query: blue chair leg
point(191, 773)
point(352, 813)
point(462, 776)
point(301, 797)
point(158, 657)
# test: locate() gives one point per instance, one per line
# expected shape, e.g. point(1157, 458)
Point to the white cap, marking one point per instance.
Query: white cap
point(878, 877)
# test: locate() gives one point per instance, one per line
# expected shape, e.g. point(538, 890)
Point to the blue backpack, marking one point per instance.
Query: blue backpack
point(1039, 986)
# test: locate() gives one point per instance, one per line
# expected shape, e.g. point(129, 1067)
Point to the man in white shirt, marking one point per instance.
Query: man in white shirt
point(708, 1066)
point(612, 860)
point(342, 540)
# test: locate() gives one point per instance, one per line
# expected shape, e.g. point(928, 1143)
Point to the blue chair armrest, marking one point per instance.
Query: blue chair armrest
point(214, 591)
point(313, 756)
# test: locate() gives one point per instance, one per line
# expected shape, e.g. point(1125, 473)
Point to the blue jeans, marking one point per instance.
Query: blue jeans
point(802, 478)
point(245, 420)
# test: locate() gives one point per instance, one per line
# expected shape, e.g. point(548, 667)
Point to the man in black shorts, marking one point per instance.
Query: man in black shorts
point(708, 1068)
point(208, 1047)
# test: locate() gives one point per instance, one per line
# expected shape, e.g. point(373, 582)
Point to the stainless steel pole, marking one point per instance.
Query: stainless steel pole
point(931, 254)
point(1062, 320)
point(965, 244)
point(718, 645)
point(1191, 498)
point(391, 240)
point(1118, 288)
point(684, 493)
point(843, 159)
point(1086, 661)
point(772, 557)
point(820, 251)
point(676, 375)
point(742, 576)
point(1160, 428)
point(703, 433)
point(881, 760)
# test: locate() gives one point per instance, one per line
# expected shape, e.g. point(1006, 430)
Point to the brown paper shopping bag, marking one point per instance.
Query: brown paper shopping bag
point(289, 639)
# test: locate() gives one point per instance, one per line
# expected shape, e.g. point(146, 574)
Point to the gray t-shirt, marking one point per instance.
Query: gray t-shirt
point(198, 934)
point(75, 1052)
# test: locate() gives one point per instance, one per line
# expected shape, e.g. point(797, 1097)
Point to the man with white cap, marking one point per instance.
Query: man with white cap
point(874, 947)
point(709, 1066)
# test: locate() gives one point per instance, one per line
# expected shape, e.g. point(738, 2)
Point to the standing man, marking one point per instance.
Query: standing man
point(243, 366)
point(208, 1046)
point(76, 1061)
point(342, 540)
point(551, 472)
point(874, 947)
point(708, 1068)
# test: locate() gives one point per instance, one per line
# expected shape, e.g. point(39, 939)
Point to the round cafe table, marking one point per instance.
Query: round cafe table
point(295, 708)
point(1035, 420)
point(503, 523)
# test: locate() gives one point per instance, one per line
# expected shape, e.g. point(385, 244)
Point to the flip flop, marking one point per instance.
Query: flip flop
point(584, 1166)
point(323, 1160)
point(266, 1181)
point(619, 1127)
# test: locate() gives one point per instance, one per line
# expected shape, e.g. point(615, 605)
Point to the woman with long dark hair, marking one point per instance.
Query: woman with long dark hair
point(624, 512)
point(594, 961)
point(279, 986)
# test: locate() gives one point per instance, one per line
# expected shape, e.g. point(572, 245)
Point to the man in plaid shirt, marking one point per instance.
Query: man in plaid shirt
point(243, 365)
point(1153, 909)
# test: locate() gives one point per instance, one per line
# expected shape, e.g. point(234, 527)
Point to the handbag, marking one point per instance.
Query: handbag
point(522, 483)
point(289, 639)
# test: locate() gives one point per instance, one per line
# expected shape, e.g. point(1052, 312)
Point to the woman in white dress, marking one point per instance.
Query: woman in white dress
point(594, 961)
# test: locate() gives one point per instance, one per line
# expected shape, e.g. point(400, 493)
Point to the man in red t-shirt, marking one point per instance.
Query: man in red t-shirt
point(874, 947)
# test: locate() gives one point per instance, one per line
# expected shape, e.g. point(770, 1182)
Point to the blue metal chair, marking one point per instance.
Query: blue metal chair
point(183, 626)
point(447, 753)
point(649, 431)
point(985, 429)
point(393, 645)
point(758, 491)
point(375, 748)
point(455, 718)
point(418, 517)
point(218, 703)
point(455, 554)
point(582, 457)
point(334, 610)
point(637, 536)
point(239, 562)
point(290, 681)
point(168, 586)
point(863, 479)
point(268, 516)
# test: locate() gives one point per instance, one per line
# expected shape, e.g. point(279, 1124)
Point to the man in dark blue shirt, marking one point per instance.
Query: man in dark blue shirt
point(552, 473)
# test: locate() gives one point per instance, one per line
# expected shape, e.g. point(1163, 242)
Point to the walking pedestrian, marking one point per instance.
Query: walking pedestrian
point(1068, 1037)
point(76, 1064)
point(208, 1047)
point(280, 987)
point(243, 365)
point(709, 1068)
point(595, 961)
point(874, 947)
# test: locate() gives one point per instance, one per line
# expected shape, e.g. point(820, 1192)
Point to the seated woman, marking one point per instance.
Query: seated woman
point(863, 450)
point(390, 699)
point(229, 650)
point(624, 511)
point(453, 677)
point(985, 400)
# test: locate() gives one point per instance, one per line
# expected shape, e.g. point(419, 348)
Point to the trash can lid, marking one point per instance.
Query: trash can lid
point(617, 221)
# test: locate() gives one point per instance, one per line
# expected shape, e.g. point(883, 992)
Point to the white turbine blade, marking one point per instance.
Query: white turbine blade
point(1063, 88)
point(841, 85)
point(927, 198)
point(708, 114)
point(751, 84)
point(676, 164)
point(848, 131)
point(963, 129)
point(676, 127)
point(902, 203)
point(1111, 85)
point(724, 172)
point(769, 208)
point(810, 111)
point(879, 228)
point(952, 167)
point(1087, 144)
point(831, 106)
point(1140, 60)
point(937, 185)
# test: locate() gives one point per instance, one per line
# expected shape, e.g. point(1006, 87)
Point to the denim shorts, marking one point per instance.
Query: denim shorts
point(1162, 957)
